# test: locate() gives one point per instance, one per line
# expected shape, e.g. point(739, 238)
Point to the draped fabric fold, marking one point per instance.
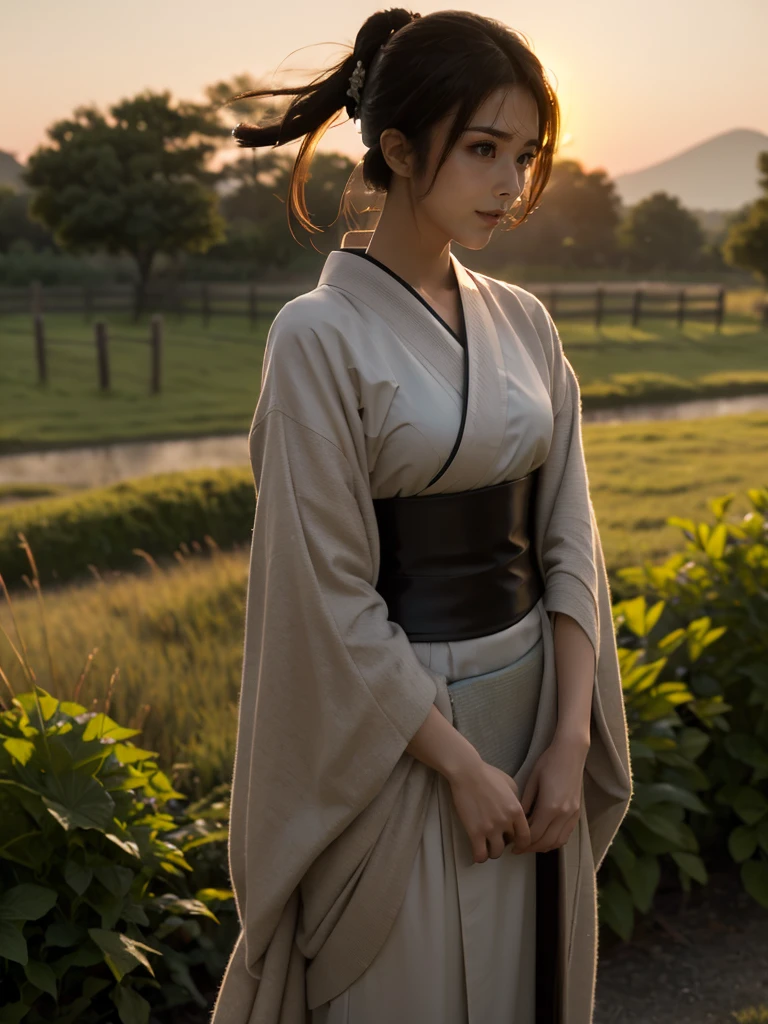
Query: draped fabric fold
point(327, 806)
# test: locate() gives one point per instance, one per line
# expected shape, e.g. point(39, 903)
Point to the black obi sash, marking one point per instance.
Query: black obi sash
point(459, 565)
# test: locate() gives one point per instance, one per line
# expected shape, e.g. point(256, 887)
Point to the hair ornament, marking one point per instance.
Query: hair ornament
point(355, 86)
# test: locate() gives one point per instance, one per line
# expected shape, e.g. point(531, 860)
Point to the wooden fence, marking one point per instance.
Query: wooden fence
point(587, 302)
point(101, 338)
point(564, 302)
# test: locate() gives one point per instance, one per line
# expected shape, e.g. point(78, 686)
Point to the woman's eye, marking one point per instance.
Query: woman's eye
point(492, 146)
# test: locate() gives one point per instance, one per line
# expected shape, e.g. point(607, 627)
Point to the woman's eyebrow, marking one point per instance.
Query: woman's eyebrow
point(499, 134)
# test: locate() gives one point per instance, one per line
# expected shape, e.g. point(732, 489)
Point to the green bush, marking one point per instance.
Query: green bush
point(107, 527)
point(669, 729)
point(96, 906)
point(723, 574)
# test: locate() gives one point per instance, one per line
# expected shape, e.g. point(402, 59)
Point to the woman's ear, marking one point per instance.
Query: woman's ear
point(397, 152)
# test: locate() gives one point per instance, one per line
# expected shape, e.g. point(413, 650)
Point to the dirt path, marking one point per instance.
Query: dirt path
point(698, 960)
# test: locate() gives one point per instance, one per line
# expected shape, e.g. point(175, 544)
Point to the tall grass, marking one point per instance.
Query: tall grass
point(164, 647)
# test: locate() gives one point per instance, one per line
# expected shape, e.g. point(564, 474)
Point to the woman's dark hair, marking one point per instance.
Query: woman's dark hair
point(427, 67)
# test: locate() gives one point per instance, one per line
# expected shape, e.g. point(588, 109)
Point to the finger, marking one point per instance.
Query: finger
point(530, 791)
point(539, 823)
point(548, 839)
point(495, 845)
point(568, 830)
point(479, 849)
point(520, 828)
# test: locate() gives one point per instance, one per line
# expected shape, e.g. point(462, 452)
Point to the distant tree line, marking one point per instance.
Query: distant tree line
point(137, 183)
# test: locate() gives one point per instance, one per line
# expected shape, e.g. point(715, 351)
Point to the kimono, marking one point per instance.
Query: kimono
point(355, 887)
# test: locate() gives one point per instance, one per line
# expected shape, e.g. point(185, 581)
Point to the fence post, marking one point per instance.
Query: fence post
point(252, 306)
point(42, 365)
point(156, 352)
point(206, 304)
point(765, 312)
point(102, 355)
point(36, 297)
point(599, 300)
point(720, 308)
point(681, 297)
point(637, 300)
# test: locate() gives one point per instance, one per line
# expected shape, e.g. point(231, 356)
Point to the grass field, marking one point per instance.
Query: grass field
point(211, 376)
point(176, 632)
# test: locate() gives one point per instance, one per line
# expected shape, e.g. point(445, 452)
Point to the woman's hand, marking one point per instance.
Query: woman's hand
point(486, 801)
point(554, 790)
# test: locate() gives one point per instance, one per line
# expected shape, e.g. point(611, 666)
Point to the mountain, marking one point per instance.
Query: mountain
point(717, 174)
point(10, 171)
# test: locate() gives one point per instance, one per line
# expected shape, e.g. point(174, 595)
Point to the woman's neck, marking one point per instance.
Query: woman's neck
point(411, 250)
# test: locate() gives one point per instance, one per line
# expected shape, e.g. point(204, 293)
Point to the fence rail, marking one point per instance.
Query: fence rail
point(644, 301)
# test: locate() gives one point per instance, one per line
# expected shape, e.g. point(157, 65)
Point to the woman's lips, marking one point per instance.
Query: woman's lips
point(491, 219)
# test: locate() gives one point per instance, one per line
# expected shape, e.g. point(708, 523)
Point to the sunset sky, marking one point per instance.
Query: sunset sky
point(638, 82)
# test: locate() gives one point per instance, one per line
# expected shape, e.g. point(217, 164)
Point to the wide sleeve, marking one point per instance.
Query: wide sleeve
point(332, 691)
point(567, 530)
point(571, 558)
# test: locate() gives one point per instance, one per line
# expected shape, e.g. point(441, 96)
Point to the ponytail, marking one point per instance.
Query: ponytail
point(316, 105)
point(417, 71)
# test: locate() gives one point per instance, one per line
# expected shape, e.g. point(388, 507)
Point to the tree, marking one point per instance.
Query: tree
point(16, 229)
point(573, 226)
point(135, 183)
point(660, 234)
point(255, 186)
point(746, 244)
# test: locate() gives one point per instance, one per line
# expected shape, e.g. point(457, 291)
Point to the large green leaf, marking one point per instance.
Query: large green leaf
point(715, 545)
point(644, 880)
point(754, 876)
point(13, 945)
point(77, 876)
point(746, 748)
point(692, 865)
point(20, 749)
point(742, 843)
point(115, 878)
point(750, 805)
point(102, 727)
point(616, 908)
point(41, 975)
point(675, 832)
point(26, 902)
point(79, 801)
point(649, 793)
point(121, 953)
point(131, 1007)
point(692, 742)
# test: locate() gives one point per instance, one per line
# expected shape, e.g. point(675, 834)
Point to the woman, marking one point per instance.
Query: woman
point(432, 754)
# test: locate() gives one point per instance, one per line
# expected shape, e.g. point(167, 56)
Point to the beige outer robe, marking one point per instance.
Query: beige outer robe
point(327, 807)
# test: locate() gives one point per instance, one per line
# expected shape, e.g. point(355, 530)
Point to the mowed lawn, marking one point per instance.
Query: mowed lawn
point(211, 376)
point(641, 473)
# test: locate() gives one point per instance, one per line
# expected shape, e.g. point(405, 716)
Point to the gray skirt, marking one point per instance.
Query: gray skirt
point(462, 949)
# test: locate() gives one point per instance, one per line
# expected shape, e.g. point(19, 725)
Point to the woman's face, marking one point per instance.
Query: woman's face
point(487, 169)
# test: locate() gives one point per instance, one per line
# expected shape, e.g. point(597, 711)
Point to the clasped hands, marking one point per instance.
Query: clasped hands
point(553, 789)
point(481, 796)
